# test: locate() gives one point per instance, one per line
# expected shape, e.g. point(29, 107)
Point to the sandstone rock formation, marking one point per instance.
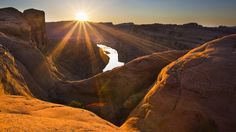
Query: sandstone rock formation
point(27, 73)
point(194, 93)
point(18, 113)
point(36, 20)
point(25, 113)
point(11, 81)
point(115, 93)
point(15, 35)
point(13, 23)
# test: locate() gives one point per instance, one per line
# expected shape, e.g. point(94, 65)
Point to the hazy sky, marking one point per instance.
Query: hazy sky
point(206, 12)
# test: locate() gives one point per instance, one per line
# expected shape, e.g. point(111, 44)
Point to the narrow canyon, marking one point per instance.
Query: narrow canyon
point(87, 76)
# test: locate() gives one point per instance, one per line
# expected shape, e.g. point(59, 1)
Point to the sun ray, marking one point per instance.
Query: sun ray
point(65, 26)
point(92, 56)
point(60, 46)
point(139, 42)
point(136, 41)
point(98, 36)
point(79, 35)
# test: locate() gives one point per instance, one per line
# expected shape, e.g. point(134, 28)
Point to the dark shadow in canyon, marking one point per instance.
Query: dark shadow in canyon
point(65, 66)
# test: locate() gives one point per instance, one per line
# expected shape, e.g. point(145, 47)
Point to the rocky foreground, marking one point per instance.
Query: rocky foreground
point(172, 90)
point(29, 114)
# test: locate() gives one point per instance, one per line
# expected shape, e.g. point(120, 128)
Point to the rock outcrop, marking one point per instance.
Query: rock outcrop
point(113, 94)
point(11, 81)
point(23, 34)
point(36, 20)
point(27, 73)
point(15, 35)
point(18, 113)
point(194, 93)
point(12, 23)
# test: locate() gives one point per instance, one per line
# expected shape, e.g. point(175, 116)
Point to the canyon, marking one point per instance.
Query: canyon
point(175, 77)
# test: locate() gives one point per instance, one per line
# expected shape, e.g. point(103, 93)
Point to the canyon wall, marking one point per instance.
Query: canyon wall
point(78, 56)
point(16, 36)
point(195, 92)
point(26, 74)
point(132, 41)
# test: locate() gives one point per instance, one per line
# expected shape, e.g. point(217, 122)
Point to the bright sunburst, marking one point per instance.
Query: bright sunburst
point(82, 16)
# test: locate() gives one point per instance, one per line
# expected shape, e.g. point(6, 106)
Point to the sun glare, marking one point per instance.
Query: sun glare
point(82, 16)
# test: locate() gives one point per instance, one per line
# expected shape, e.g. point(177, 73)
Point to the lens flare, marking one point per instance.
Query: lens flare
point(82, 16)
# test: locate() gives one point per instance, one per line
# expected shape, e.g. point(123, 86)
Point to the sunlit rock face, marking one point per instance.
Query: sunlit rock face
point(26, 73)
point(194, 93)
point(15, 35)
point(20, 113)
point(11, 80)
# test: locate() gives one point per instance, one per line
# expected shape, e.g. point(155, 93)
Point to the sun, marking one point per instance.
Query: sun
point(81, 16)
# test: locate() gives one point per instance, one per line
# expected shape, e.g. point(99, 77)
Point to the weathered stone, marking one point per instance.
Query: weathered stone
point(194, 93)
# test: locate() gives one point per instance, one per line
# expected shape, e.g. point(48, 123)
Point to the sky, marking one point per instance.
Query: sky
point(205, 12)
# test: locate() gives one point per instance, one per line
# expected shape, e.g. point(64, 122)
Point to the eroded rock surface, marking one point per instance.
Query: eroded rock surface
point(15, 35)
point(11, 81)
point(194, 93)
point(115, 93)
point(36, 19)
point(18, 113)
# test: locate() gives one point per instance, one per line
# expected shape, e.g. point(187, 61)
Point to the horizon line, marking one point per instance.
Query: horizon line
point(118, 23)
